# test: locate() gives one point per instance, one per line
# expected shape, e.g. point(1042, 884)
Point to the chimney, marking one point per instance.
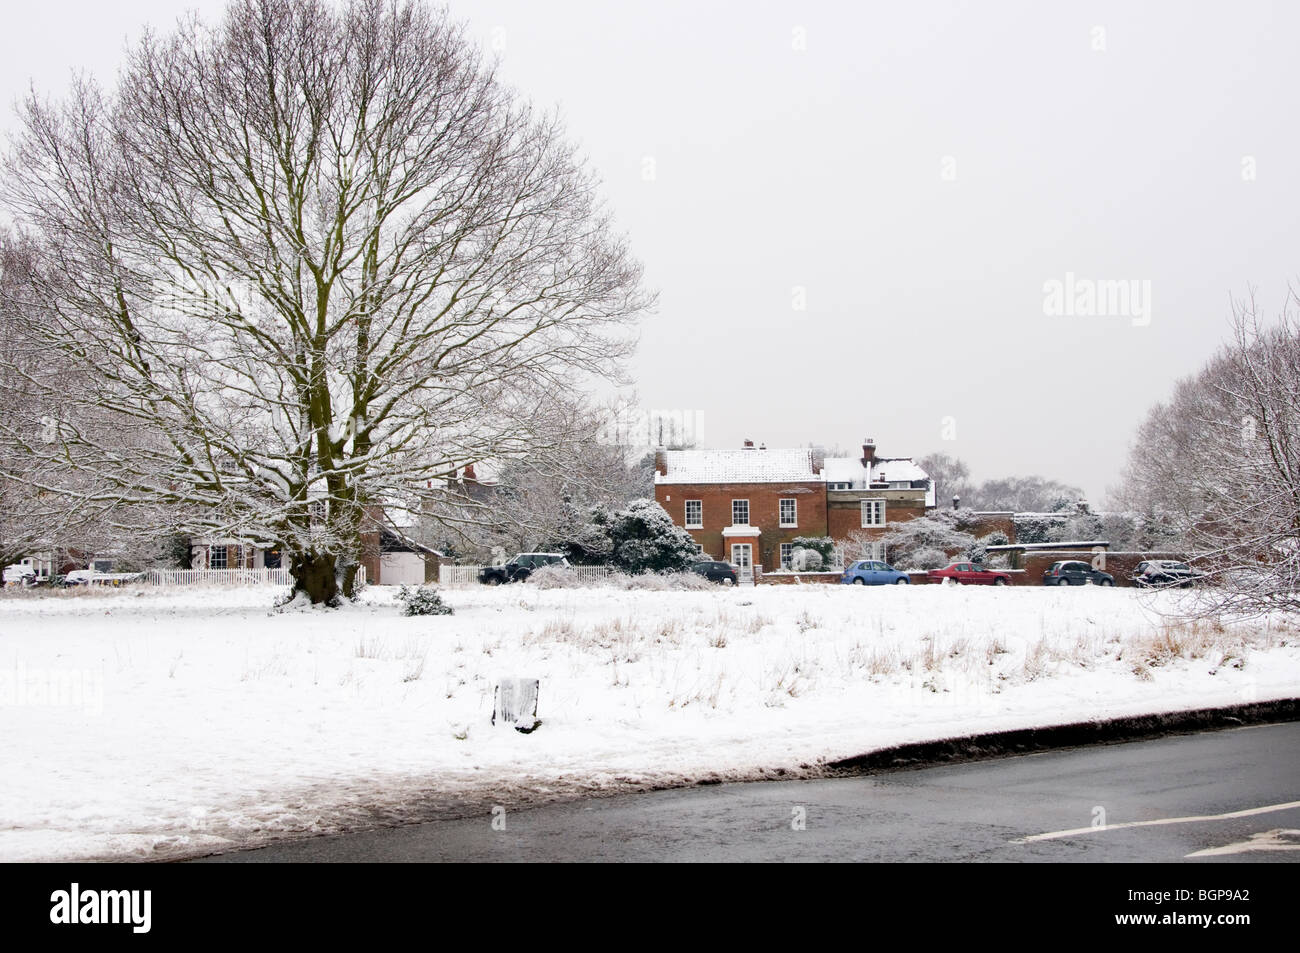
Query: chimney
point(868, 451)
point(661, 461)
point(748, 445)
point(469, 476)
point(956, 502)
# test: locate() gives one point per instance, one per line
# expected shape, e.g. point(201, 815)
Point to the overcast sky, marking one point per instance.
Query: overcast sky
point(914, 175)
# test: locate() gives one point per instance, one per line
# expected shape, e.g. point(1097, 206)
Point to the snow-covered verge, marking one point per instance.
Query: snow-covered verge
point(148, 723)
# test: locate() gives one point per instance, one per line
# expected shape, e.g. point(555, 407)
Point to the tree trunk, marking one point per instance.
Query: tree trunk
point(314, 575)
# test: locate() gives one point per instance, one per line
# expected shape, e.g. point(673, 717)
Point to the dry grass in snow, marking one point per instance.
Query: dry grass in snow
point(170, 721)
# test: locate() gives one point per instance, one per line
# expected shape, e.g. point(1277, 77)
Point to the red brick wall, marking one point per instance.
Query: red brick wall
point(764, 512)
point(802, 578)
point(984, 524)
point(844, 515)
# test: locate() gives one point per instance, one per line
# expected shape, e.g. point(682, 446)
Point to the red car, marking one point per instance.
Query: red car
point(972, 574)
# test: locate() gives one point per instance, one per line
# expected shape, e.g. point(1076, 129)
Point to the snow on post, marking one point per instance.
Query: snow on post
point(516, 704)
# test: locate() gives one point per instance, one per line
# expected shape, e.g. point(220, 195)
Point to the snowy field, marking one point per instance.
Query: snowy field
point(159, 723)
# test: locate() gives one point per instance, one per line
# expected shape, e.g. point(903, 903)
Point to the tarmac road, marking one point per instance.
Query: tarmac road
point(1234, 794)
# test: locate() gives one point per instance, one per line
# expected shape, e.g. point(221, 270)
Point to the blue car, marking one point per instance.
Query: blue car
point(872, 572)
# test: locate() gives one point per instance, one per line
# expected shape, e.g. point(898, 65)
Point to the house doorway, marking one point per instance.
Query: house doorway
point(742, 555)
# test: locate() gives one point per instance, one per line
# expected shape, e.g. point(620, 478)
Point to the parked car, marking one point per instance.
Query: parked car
point(1070, 572)
point(715, 571)
point(19, 574)
point(873, 572)
point(93, 577)
point(520, 568)
point(972, 574)
point(1165, 573)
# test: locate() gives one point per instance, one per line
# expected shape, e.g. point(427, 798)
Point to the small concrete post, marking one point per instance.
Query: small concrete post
point(516, 704)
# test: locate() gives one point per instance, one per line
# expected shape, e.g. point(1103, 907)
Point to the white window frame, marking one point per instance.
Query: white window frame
point(873, 506)
point(698, 523)
point(734, 521)
point(787, 555)
point(794, 506)
point(225, 557)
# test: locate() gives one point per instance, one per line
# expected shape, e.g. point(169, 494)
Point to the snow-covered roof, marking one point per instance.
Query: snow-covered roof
point(787, 466)
point(738, 466)
point(883, 469)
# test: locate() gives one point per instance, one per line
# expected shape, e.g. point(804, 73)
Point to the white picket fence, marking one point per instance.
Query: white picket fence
point(228, 577)
point(592, 572)
point(458, 575)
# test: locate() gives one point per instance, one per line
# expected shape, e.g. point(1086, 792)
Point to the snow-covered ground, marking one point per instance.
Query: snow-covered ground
point(155, 723)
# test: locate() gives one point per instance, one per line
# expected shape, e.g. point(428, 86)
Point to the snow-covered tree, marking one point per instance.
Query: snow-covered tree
point(1022, 494)
point(942, 531)
point(542, 501)
point(951, 476)
point(643, 538)
point(309, 260)
point(1015, 493)
point(42, 508)
point(1219, 463)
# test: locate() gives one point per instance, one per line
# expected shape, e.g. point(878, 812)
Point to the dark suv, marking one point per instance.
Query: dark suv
point(714, 571)
point(1075, 573)
point(520, 568)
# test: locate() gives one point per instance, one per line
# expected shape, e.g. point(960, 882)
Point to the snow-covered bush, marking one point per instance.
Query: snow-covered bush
point(944, 531)
point(661, 581)
point(806, 560)
point(563, 577)
point(559, 577)
point(978, 551)
point(425, 600)
point(645, 539)
point(822, 546)
point(926, 559)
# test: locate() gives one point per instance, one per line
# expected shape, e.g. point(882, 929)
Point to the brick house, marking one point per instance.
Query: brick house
point(747, 506)
point(208, 552)
point(865, 493)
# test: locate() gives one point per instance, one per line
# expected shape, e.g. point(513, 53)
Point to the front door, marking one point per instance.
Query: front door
point(742, 555)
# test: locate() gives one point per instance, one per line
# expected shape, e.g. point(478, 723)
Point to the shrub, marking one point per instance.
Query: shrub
point(823, 546)
point(560, 577)
point(928, 559)
point(426, 600)
point(907, 540)
point(805, 560)
point(645, 539)
point(663, 581)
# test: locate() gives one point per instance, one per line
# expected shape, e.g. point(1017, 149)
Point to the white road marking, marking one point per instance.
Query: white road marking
point(1276, 839)
point(1053, 835)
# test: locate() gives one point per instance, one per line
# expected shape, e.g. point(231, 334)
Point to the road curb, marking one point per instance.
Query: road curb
point(1002, 744)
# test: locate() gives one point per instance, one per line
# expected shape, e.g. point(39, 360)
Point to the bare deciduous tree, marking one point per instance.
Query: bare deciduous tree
point(37, 515)
point(542, 499)
point(1220, 462)
point(313, 258)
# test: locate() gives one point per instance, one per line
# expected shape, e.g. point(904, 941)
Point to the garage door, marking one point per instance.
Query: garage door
point(401, 569)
